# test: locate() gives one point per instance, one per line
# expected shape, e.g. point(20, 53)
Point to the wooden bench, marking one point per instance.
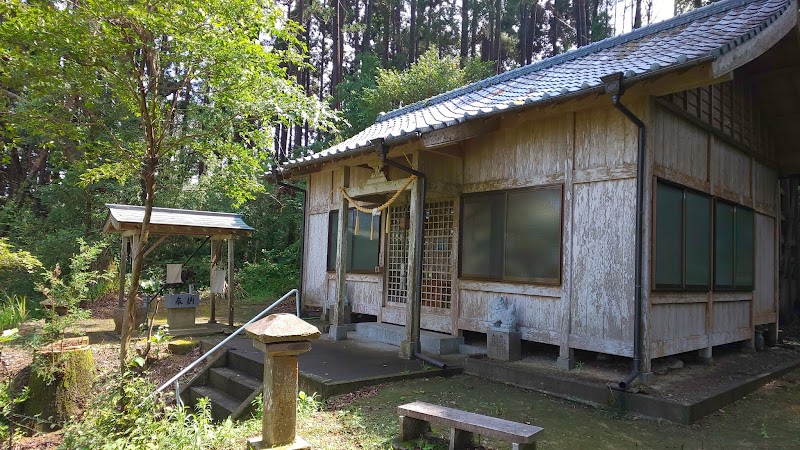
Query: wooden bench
point(416, 417)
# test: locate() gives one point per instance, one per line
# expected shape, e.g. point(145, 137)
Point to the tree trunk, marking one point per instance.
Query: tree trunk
point(129, 318)
point(522, 36)
point(336, 54)
point(497, 48)
point(637, 15)
point(464, 30)
point(366, 41)
point(473, 30)
point(412, 34)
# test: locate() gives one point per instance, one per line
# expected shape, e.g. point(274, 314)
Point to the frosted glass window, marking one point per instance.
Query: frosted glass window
point(697, 240)
point(682, 236)
point(514, 235)
point(724, 245)
point(669, 235)
point(533, 235)
point(362, 255)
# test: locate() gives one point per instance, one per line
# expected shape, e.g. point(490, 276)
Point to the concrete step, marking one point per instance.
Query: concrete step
point(247, 363)
point(222, 404)
point(233, 382)
point(471, 350)
point(431, 342)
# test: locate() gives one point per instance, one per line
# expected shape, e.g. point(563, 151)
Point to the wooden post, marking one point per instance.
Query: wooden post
point(566, 355)
point(230, 281)
point(338, 330)
point(647, 238)
point(216, 255)
point(123, 269)
point(707, 354)
point(411, 340)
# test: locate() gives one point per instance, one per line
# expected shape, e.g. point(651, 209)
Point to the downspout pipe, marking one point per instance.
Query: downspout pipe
point(302, 234)
point(383, 150)
point(613, 84)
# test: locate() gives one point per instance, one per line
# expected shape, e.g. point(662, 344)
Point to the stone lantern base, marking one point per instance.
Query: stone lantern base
point(298, 444)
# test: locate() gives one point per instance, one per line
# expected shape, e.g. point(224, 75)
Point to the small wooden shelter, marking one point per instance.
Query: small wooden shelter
point(539, 186)
point(166, 222)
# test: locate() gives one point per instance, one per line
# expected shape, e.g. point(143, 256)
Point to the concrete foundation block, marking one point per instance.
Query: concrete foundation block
point(338, 332)
point(565, 363)
point(178, 318)
point(299, 443)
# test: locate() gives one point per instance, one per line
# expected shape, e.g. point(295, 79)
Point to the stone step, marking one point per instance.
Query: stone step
point(222, 404)
point(431, 342)
point(247, 363)
point(233, 382)
point(467, 349)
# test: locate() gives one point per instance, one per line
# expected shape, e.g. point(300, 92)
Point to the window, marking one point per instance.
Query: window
point(514, 235)
point(682, 250)
point(733, 244)
point(363, 248)
point(684, 235)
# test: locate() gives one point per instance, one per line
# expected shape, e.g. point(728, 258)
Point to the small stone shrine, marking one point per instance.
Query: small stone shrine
point(504, 342)
point(181, 309)
point(282, 337)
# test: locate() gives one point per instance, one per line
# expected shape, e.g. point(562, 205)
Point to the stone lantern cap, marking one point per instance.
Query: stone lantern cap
point(281, 328)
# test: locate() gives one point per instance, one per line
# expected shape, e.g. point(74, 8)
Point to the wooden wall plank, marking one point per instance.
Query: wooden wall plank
point(764, 295)
point(603, 261)
point(315, 289)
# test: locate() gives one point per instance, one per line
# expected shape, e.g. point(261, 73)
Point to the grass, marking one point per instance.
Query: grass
point(767, 419)
point(13, 311)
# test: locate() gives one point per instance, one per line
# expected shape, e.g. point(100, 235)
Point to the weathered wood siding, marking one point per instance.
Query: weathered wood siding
point(698, 143)
point(765, 305)
point(315, 289)
point(603, 267)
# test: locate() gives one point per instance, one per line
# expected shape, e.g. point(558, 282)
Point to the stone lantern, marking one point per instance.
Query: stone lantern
point(281, 337)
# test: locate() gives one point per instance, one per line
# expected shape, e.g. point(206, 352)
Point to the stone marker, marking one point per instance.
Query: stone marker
point(281, 337)
point(504, 343)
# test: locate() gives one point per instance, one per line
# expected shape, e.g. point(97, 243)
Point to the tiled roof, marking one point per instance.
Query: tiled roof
point(698, 36)
point(132, 214)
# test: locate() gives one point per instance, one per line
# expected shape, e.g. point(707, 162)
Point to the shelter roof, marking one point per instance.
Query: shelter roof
point(175, 221)
point(700, 36)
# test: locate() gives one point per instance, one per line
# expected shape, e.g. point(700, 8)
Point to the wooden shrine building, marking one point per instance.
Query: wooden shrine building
point(623, 196)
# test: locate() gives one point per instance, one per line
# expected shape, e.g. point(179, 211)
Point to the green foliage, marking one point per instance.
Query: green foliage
point(275, 274)
point(13, 311)
point(81, 282)
point(307, 404)
point(429, 76)
point(127, 415)
point(19, 271)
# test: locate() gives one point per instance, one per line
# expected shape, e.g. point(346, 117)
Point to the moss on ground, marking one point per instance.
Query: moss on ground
point(767, 419)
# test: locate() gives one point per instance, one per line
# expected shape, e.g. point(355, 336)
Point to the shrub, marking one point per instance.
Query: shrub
point(271, 277)
point(128, 415)
point(20, 271)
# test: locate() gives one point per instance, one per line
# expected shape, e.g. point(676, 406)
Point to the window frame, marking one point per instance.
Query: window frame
point(557, 281)
point(733, 287)
point(351, 246)
point(683, 286)
point(712, 286)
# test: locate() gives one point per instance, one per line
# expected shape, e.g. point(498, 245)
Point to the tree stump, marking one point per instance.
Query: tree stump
point(53, 399)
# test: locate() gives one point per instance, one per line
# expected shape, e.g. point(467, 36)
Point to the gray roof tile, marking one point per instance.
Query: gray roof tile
point(691, 38)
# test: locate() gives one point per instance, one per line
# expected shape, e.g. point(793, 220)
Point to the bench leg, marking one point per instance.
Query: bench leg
point(411, 428)
point(460, 439)
point(531, 446)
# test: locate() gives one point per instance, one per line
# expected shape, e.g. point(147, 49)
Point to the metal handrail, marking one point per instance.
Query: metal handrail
point(224, 341)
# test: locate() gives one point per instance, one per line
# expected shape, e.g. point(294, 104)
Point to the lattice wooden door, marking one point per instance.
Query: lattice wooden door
point(437, 257)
